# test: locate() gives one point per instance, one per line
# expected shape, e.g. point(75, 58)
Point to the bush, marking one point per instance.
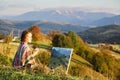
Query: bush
point(78, 43)
point(74, 70)
point(1, 36)
point(100, 64)
point(35, 45)
point(4, 60)
point(8, 39)
point(43, 57)
point(61, 40)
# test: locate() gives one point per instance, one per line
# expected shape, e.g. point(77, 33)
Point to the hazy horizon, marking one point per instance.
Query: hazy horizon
point(17, 7)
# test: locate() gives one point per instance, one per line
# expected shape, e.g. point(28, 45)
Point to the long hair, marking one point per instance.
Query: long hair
point(24, 35)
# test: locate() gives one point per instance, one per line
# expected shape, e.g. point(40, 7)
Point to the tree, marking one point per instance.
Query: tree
point(100, 64)
point(36, 31)
point(51, 34)
point(61, 40)
point(78, 43)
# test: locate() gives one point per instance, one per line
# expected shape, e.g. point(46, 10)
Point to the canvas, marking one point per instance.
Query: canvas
point(60, 57)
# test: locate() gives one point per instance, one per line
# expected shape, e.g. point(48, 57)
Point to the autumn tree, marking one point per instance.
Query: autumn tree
point(36, 31)
point(51, 34)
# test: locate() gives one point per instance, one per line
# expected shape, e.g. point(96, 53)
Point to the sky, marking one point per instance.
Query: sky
point(16, 7)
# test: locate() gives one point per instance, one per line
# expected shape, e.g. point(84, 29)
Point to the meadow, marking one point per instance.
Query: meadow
point(7, 72)
point(88, 61)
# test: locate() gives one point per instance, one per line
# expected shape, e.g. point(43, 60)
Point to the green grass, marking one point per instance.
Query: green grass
point(45, 46)
point(8, 73)
point(7, 51)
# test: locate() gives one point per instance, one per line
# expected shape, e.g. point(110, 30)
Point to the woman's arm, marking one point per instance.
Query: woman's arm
point(28, 57)
point(27, 53)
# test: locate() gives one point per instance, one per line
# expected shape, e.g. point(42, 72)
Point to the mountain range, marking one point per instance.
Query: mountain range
point(7, 25)
point(102, 34)
point(107, 21)
point(67, 19)
point(69, 15)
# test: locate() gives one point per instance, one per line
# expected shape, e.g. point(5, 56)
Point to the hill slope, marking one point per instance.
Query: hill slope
point(6, 25)
point(107, 21)
point(105, 34)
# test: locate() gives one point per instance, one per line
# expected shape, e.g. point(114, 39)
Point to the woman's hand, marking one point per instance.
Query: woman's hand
point(35, 51)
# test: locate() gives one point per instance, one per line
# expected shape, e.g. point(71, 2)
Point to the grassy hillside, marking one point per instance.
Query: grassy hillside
point(103, 34)
point(6, 70)
point(7, 52)
point(114, 51)
point(102, 62)
point(85, 69)
point(87, 63)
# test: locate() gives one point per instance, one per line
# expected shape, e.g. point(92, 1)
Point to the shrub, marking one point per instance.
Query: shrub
point(61, 40)
point(4, 60)
point(1, 36)
point(74, 70)
point(43, 57)
point(77, 41)
point(8, 39)
point(100, 64)
point(35, 45)
point(58, 71)
point(51, 34)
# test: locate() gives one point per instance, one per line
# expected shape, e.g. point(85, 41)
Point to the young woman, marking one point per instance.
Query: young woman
point(23, 55)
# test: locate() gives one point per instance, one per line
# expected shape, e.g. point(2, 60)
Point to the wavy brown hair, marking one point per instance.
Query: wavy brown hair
point(24, 35)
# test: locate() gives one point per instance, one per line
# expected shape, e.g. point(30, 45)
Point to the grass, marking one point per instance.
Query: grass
point(85, 68)
point(45, 46)
point(8, 73)
point(115, 51)
point(116, 47)
point(79, 60)
point(8, 49)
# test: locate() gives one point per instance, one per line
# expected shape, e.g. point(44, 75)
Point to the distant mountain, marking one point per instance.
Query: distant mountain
point(107, 21)
point(70, 15)
point(46, 26)
point(105, 34)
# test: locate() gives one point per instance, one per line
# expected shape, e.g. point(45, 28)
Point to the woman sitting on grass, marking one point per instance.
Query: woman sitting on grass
point(24, 55)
